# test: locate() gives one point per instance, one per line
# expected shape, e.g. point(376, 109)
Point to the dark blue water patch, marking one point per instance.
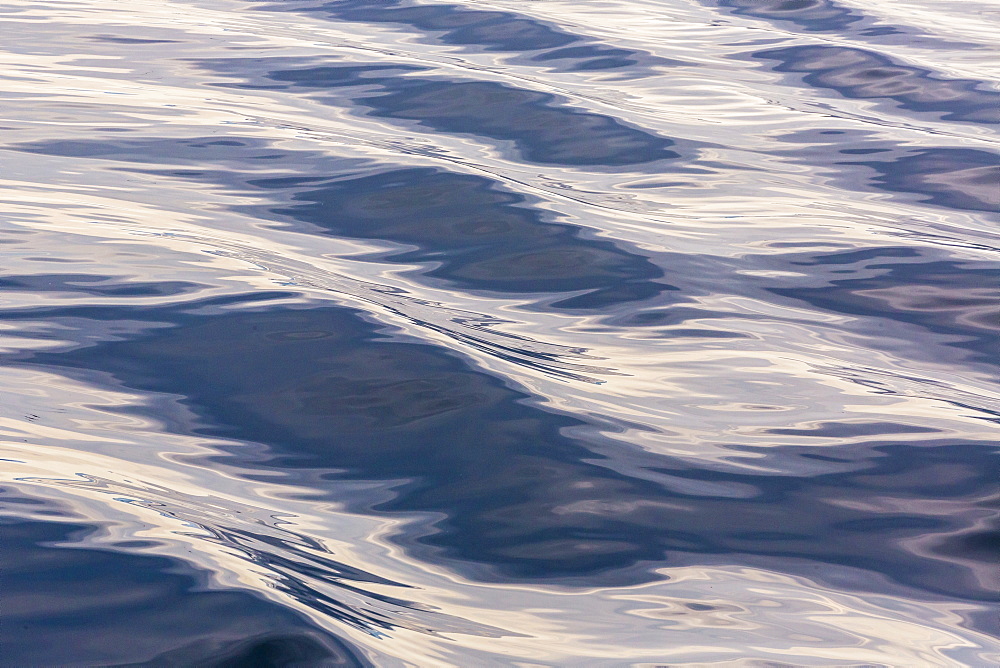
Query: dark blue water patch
point(809, 15)
point(957, 178)
point(593, 57)
point(65, 604)
point(492, 32)
point(520, 490)
point(200, 151)
point(482, 237)
point(893, 289)
point(476, 234)
point(454, 24)
point(666, 322)
point(829, 16)
point(544, 130)
point(325, 391)
point(115, 39)
point(957, 299)
point(851, 430)
point(94, 285)
point(848, 257)
point(324, 76)
point(861, 74)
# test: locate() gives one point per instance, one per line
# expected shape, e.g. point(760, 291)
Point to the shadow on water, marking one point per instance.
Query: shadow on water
point(103, 607)
point(525, 492)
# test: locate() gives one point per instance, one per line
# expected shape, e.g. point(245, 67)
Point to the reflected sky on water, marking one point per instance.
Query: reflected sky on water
point(409, 334)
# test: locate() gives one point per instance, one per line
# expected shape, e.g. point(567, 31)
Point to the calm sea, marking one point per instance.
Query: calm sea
point(500, 333)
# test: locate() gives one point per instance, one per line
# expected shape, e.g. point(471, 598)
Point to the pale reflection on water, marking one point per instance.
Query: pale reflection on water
point(412, 333)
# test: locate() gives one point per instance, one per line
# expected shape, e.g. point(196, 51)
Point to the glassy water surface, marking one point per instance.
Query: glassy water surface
point(390, 333)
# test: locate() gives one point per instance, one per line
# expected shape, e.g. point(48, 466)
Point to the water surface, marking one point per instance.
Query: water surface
point(357, 333)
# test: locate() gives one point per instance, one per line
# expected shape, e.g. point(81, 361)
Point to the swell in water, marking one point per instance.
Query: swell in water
point(384, 333)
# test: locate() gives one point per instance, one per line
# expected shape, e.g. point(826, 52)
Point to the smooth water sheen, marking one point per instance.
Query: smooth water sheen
point(500, 333)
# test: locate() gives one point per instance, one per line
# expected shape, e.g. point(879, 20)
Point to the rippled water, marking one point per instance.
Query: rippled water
point(551, 333)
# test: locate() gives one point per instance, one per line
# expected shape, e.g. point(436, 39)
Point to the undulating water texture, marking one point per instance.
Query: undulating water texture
point(408, 333)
